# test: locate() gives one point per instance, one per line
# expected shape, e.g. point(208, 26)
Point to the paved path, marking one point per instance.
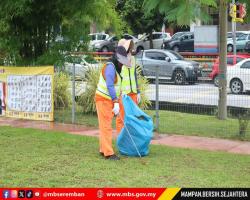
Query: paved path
point(193, 142)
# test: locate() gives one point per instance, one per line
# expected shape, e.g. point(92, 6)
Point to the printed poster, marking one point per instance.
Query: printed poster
point(29, 92)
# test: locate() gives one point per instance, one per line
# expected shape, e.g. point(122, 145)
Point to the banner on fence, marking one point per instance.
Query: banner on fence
point(27, 92)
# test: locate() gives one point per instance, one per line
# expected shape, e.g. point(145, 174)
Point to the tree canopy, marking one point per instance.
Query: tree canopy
point(132, 11)
point(28, 28)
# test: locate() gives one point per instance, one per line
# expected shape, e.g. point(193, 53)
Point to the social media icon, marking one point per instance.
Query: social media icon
point(13, 194)
point(37, 194)
point(29, 194)
point(6, 194)
point(21, 194)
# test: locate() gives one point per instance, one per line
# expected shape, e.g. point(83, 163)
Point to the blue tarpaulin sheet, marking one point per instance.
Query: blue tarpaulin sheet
point(140, 127)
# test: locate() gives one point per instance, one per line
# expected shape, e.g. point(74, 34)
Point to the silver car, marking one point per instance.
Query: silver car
point(171, 65)
point(82, 65)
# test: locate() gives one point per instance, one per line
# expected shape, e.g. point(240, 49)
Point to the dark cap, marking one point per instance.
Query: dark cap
point(122, 56)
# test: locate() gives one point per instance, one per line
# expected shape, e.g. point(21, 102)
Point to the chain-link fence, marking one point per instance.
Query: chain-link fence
point(188, 108)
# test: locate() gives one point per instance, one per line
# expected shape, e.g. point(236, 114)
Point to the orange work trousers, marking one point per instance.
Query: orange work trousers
point(120, 118)
point(105, 115)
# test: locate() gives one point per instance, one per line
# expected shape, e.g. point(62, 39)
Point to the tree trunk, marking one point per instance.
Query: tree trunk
point(222, 104)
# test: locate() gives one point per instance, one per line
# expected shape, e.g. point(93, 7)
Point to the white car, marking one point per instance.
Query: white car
point(240, 41)
point(95, 38)
point(238, 77)
point(82, 65)
point(157, 38)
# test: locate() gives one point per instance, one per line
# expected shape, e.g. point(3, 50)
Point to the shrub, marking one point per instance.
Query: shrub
point(87, 99)
point(61, 92)
point(243, 116)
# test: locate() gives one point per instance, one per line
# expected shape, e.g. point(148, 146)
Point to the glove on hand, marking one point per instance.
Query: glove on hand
point(116, 108)
point(138, 98)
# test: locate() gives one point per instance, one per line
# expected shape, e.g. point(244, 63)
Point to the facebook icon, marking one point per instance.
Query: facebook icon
point(6, 194)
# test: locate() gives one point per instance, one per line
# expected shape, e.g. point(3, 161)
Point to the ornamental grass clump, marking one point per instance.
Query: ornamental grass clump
point(61, 93)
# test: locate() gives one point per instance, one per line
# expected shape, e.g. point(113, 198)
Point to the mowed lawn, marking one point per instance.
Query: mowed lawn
point(36, 158)
point(173, 123)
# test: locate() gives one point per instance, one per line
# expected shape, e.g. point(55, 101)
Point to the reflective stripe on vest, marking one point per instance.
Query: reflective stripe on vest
point(128, 78)
point(102, 89)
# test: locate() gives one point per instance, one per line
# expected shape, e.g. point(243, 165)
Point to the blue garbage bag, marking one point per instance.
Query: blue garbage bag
point(140, 127)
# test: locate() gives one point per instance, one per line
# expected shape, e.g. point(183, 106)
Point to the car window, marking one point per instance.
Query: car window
point(99, 37)
point(238, 34)
point(230, 61)
point(177, 35)
point(155, 55)
point(92, 37)
point(113, 39)
point(174, 55)
point(127, 37)
point(239, 59)
point(242, 37)
point(229, 35)
point(156, 36)
point(246, 65)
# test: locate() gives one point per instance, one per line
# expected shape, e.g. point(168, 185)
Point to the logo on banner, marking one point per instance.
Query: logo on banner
point(6, 194)
point(13, 194)
point(21, 194)
point(100, 194)
point(29, 194)
point(37, 194)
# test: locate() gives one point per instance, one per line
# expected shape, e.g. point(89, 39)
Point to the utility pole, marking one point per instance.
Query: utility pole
point(222, 104)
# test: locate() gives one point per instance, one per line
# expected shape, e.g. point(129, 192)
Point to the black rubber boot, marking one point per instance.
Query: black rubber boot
point(112, 157)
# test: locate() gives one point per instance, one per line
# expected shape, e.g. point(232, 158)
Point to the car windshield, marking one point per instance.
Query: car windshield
point(242, 37)
point(175, 55)
point(177, 35)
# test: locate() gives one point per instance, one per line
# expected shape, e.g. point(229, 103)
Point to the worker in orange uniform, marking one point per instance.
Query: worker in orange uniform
point(129, 84)
point(107, 99)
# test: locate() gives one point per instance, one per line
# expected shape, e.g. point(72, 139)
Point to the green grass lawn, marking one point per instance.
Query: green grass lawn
point(36, 158)
point(174, 123)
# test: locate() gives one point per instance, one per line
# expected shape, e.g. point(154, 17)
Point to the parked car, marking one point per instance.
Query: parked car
point(181, 42)
point(231, 61)
point(172, 66)
point(178, 34)
point(82, 65)
point(237, 34)
point(130, 37)
point(157, 38)
point(96, 37)
point(106, 45)
point(240, 42)
point(238, 77)
point(247, 47)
